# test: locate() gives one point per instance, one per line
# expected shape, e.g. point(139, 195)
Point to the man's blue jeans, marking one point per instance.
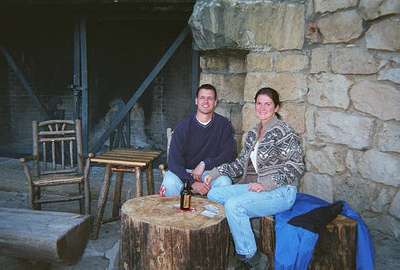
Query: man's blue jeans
point(173, 185)
point(241, 204)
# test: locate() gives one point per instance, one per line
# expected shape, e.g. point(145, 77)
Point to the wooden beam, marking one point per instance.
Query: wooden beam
point(22, 78)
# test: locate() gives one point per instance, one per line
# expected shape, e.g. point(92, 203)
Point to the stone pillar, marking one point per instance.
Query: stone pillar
point(336, 65)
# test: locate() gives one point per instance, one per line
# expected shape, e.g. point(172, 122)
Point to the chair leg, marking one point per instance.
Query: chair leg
point(81, 201)
point(86, 185)
point(138, 183)
point(150, 185)
point(117, 194)
point(102, 202)
point(36, 196)
point(87, 196)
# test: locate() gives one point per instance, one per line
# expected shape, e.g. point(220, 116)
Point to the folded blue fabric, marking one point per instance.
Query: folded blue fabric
point(295, 245)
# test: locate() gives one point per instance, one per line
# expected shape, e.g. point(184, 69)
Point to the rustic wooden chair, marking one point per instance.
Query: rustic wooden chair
point(57, 160)
point(163, 167)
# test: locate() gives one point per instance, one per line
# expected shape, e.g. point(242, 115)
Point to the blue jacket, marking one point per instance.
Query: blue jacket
point(295, 245)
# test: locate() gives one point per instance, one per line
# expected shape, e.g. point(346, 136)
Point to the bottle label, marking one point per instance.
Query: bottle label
point(186, 201)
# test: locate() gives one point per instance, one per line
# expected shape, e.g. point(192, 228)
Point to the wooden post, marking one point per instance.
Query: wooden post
point(156, 234)
point(335, 249)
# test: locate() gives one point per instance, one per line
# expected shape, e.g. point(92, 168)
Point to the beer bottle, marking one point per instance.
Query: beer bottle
point(186, 196)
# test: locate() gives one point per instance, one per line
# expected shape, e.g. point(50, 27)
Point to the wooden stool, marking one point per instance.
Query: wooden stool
point(158, 235)
point(121, 161)
point(335, 249)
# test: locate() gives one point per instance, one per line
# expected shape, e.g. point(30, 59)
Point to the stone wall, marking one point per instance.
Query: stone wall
point(336, 64)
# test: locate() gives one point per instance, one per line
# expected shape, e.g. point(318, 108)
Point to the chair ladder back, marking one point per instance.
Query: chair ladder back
point(60, 141)
point(79, 151)
point(35, 148)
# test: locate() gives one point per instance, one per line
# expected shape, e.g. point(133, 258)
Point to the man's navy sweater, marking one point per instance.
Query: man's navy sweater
point(193, 142)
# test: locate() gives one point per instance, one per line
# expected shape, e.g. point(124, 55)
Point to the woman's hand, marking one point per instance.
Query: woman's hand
point(256, 187)
point(207, 179)
point(200, 188)
point(198, 171)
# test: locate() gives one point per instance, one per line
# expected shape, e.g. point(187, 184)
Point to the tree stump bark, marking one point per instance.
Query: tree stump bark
point(335, 249)
point(156, 234)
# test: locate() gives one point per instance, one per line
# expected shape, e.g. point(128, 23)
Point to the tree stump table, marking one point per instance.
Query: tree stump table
point(335, 249)
point(156, 234)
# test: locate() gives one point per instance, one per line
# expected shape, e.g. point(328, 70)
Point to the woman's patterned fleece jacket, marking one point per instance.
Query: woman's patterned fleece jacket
point(279, 157)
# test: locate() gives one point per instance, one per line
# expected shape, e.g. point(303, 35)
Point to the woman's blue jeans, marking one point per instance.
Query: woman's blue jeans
point(173, 184)
point(241, 204)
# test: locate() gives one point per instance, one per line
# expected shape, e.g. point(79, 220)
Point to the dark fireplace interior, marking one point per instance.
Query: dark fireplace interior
point(123, 46)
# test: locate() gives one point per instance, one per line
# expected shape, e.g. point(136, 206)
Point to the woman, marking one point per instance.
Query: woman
point(270, 165)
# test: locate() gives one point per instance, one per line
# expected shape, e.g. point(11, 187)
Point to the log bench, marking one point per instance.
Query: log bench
point(335, 249)
point(43, 235)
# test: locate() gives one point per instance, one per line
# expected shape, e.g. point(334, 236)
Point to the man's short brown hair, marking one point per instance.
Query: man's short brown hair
point(208, 87)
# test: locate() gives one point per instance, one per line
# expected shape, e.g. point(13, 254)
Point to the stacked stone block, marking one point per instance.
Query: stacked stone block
point(336, 65)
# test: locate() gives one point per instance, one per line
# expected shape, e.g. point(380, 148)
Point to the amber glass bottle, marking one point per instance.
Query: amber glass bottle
point(186, 196)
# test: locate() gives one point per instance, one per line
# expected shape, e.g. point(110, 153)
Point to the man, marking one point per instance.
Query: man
point(200, 142)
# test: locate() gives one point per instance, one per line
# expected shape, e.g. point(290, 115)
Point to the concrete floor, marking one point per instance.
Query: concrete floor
point(103, 253)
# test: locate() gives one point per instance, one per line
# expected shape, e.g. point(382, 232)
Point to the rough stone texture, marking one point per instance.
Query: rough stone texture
point(384, 35)
point(291, 62)
point(340, 26)
point(386, 224)
point(247, 25)
point(382, 202)
point(229, 87)
point(293, 114)
point(249, 119)
point(310, 123)
point(320, 58)
point(379, 99)
point(328, 159)
point(344, 128)
point(220, 62)
point(390, 74)
point(353, 60)
point(387, 249)
point(357, 192)
point(291, 86)
point(232, 111)
point(372, 9)
point(259, 62)
point(321, 6)
point(318, 185)
point(389, 137)
point(213, 63)
point(395, 207)
point(352, 158)
point(380, 167)
point(329, 90)
point(237, 64)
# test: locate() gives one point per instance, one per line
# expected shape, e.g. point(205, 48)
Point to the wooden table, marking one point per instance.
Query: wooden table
point(158, 235)
point(121, 161)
